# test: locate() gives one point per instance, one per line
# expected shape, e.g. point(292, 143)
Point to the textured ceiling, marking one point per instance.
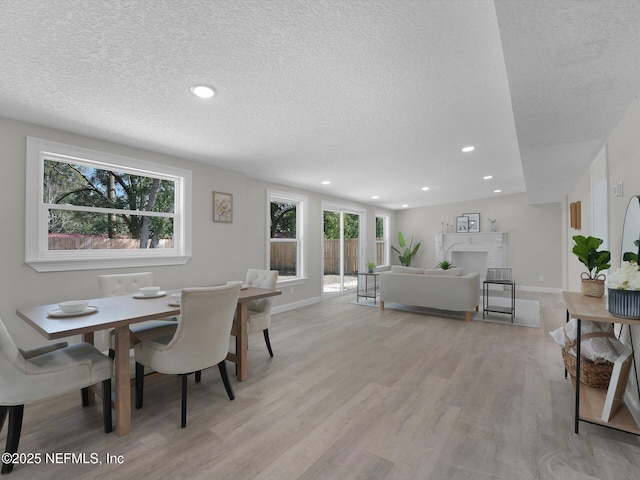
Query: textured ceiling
point(377, 96)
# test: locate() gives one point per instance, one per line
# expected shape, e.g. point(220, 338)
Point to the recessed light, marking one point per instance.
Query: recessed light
point(468, 149)
point(405, 205)
point(497, 191)
point(326, 182)
point(425, 188)
point(202, 91)
point(487, 177)
point(375, 197)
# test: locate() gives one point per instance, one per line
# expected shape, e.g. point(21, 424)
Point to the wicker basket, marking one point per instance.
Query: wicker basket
point(593, 374)
point(591, 287)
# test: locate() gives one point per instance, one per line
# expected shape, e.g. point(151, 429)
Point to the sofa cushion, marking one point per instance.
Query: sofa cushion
point(451, 272)
point(401, 269)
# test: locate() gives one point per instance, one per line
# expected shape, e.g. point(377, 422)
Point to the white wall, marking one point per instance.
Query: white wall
point(535, 234)
point(221, 252)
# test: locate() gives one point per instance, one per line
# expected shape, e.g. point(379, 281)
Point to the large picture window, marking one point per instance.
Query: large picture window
point(285, 234)
point(88, 209)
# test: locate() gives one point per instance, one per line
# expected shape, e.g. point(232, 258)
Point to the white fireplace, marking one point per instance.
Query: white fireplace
point(473, 252)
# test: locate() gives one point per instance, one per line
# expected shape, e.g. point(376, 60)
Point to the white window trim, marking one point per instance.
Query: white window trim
point(354, 210)
point(301, 226)
point(385, 239)
point(41, 259)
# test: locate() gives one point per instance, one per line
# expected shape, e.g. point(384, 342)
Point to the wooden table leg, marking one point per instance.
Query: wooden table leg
point(122, 384)
point(88, 337)
point(242, 341)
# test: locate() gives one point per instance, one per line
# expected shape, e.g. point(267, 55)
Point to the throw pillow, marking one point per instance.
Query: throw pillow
point(401, 269)
point(450, 272)
point(605, 347)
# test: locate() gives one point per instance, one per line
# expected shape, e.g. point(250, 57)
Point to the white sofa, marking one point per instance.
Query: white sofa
point(432, 288)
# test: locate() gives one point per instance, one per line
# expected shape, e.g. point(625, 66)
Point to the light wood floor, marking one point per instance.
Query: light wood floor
point(355, 393)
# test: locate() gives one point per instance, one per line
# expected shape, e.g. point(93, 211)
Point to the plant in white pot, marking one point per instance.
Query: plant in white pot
point(586, 249)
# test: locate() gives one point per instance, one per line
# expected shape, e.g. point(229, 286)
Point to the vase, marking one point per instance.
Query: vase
point(624, 303)
point(492, 227)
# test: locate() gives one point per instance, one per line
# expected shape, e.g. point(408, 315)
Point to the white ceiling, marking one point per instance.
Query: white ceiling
point(378, 96)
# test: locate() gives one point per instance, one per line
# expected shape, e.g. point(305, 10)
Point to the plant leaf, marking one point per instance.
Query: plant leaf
point(401, 239)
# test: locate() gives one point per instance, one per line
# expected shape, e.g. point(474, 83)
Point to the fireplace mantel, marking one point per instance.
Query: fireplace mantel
point(493, 244)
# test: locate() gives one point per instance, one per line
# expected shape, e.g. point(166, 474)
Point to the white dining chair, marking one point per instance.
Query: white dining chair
point(48, 371)
point(200, 341)
point(130, 283)
point(259, 311)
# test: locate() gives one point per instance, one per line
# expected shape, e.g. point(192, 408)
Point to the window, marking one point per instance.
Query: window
point(89, 209)
point(285, 233)
point(381, 240)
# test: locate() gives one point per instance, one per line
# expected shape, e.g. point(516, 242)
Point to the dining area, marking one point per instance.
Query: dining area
point(174, 332)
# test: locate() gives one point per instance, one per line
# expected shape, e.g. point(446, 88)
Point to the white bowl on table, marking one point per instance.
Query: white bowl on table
point(73, 306)
point(175, 298)
point(149, 291)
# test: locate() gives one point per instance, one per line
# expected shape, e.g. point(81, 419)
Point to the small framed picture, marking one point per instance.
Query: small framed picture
point(462, 224)
point(222, 207)
point(474, 222)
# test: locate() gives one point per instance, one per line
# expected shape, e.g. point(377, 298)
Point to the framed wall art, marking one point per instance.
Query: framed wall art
point(462, 224)
point(474, 222)
point(575, 215)
point(222, 207)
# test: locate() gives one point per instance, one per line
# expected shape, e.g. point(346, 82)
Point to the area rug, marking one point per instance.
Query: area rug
point(527, 311)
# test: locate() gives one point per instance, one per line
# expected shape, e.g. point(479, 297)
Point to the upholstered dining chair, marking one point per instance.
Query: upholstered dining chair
point(200, 341)
point(48, 371)
point(130, 283)
point(259, 311)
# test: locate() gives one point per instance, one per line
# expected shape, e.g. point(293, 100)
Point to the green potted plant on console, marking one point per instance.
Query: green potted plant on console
point(586, 249)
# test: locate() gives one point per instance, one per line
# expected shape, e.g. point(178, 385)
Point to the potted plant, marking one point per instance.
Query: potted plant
point(445, 265)
point(407, 255)
point(586, 249)
point(371, 266)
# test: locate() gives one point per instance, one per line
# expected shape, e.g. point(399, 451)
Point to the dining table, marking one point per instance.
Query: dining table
point(119, 312)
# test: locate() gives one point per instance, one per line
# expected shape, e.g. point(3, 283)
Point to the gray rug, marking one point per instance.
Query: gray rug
point(527, 311)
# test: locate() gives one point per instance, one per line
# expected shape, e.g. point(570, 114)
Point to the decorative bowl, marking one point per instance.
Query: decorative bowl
point(149, 291)
point(73, 306)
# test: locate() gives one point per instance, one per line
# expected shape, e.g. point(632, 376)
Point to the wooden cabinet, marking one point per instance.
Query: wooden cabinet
point(590, 402)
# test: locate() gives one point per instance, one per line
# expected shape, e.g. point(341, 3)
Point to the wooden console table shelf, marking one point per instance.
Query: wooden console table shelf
point(589, 402)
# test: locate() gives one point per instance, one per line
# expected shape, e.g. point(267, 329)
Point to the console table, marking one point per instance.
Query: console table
point(589, 402)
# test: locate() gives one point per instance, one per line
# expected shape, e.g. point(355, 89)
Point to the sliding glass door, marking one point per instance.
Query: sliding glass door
point(341, 250)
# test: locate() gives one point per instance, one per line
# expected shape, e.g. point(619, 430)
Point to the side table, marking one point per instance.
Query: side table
point(486, 305)
point(367, 286)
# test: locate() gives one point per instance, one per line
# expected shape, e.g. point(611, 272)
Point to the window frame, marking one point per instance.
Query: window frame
point(41, 259)
point(301, 216)
point(385, 237)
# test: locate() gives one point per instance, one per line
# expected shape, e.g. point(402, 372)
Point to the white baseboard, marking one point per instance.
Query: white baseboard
point(292, 306)
point(526, 288)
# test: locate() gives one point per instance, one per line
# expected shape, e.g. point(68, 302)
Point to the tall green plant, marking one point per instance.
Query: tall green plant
point(586, 249)
point(408, 253)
